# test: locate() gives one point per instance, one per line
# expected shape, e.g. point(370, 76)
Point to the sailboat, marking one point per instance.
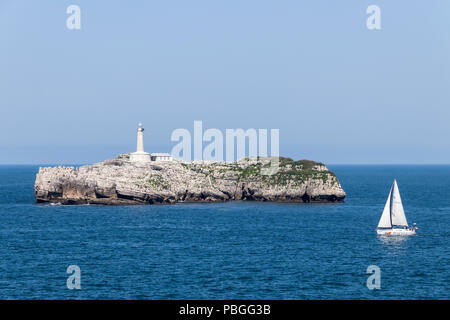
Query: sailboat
point(393, 219)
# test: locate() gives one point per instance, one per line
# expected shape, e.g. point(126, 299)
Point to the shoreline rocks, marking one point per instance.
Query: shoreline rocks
point(121, 182)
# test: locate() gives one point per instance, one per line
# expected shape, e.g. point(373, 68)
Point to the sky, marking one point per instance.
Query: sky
point(338, 92)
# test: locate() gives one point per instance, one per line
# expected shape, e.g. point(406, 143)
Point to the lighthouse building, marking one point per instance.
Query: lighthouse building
point(141, 156)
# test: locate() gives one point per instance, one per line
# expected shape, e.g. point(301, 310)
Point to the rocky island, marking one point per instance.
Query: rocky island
point(120, 181)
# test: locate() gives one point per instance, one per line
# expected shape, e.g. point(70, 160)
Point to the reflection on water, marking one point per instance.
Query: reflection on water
point(395, 245)
point(393, 240)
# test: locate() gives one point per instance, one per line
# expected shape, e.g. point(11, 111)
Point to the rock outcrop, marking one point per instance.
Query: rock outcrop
point(119, 181)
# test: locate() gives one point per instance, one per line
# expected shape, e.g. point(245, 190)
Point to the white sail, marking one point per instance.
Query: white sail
point(385, 220)
point(398, 217)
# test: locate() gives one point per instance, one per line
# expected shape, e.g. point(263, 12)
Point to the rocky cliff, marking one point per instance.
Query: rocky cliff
point(119, 181)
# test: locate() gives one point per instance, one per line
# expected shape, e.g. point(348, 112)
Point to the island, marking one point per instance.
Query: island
point(121, 181)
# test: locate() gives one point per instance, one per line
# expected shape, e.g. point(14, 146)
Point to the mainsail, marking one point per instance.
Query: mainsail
point(397, 213)
point(393, 213)
point(385, 220)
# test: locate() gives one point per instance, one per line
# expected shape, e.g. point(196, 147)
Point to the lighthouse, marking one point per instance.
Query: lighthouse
point(140, 155)
point(140, 139)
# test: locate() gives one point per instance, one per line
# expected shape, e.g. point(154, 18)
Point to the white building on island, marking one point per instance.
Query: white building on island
point(161, 157)
point(141, 156)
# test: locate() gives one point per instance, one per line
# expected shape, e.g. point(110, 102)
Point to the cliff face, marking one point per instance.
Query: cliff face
point(120, 181)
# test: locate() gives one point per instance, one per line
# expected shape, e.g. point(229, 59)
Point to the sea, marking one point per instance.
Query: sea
point(232, 250)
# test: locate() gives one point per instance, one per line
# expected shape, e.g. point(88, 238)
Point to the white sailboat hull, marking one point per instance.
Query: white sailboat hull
point(394, 232)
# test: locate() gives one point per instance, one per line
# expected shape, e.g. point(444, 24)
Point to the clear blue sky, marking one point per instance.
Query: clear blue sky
point(338, 92)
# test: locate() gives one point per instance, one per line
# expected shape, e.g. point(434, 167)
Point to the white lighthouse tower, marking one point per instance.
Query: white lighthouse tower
point(140, 155)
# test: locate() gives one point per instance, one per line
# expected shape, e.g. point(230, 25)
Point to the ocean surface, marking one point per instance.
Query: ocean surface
point(234, 250)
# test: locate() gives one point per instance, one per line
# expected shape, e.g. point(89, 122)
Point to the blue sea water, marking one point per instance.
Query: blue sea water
point(234, 250)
